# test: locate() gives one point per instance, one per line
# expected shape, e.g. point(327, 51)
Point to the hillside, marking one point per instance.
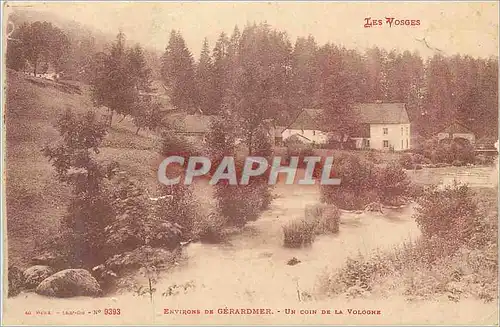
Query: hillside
point(36, 201)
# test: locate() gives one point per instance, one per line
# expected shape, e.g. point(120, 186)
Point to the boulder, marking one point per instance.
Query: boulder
point(34, 275)
point(374, 206)
point(69, 283)
point(48, 259)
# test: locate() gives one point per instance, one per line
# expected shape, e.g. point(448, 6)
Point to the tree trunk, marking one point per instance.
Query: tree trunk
point(122, 118)
point(137, 131)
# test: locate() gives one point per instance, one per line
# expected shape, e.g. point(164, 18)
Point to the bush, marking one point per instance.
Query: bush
point(210, 228)
point(484, 160)
point(326, 218)
point(458, 163)
point(298, 233)
point(299, 150)
point(392, 182)
point(406, 161)
point(450, 213)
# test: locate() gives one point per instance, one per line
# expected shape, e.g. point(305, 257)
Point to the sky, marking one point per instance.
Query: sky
point(453, 27)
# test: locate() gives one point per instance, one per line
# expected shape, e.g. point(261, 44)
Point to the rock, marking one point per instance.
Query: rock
point(68, 283)
point(34, 275)
point(48, 259)
point(15, 277)
point(374, 206)
point(293, 261)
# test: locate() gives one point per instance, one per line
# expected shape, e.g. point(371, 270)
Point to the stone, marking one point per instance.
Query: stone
point(293, 261)
point(34, 275)
point(69, 283)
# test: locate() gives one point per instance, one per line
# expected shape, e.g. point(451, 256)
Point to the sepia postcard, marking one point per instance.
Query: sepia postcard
point(250, 163)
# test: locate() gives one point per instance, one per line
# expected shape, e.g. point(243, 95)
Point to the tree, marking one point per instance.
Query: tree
point(147, 115)
point(337, 90)
point(205, 81)
point(258, 87)
point(89, 210)
point(38, 43)
point(118, 78)
point(178, 73)
point(222, 67)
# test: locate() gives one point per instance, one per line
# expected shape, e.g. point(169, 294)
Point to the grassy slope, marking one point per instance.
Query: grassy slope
point(36, 201)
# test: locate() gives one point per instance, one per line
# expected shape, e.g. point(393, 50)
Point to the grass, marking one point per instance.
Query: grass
point(427, 269)
point(35, 200)
point(318, 219)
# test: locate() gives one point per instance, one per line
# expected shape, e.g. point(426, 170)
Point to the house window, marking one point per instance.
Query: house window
point(407, 144)
point(407, 131)
point(385, 130)
point(401, 133)
point(386, 143)
point(401, 144)
point(366, 143)
point(314, 133)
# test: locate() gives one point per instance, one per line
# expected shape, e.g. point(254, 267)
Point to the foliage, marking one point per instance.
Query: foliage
point(326, 218)
point(178, 74)
point(119, 78)
point(39, 44)
point(89, 210)
point(392, 182)
point(450, 213)
point(298, 233)
point(446, 151)
point(136, 224)
point(147, 114)
point(210, 228)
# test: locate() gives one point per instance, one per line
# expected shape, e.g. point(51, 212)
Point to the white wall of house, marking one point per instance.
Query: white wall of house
point(315, 136)
point(385, 136)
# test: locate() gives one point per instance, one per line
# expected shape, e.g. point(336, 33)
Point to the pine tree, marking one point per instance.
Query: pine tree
point(178, 73)
point(205, 81)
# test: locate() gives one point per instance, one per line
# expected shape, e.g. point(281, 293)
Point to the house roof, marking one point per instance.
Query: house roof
point(381, 113)
point(456, 127)
point(307, 119)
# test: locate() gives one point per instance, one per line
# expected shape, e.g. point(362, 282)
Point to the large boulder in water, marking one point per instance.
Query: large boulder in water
point(34, 275)
point(68, 283)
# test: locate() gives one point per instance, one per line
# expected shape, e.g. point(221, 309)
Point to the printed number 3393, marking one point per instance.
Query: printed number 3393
point(114, 312)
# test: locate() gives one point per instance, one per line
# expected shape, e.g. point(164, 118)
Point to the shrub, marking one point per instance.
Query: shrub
point(298, 233)
point(450, 213)
point(209, 228)
point(326, 218)
point(406, 161)
point(485, 160)
point(392, 182)
point(458, 163)
point(135, 224)
point(300, 150)
point(171, 144)
point(358, 183)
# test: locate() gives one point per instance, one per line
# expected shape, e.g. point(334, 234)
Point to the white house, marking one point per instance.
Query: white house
point(306, 127)
point(382, 126)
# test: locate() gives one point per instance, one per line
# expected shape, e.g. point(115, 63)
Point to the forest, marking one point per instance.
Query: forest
point(258, 73)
